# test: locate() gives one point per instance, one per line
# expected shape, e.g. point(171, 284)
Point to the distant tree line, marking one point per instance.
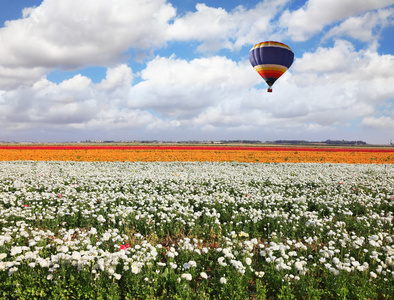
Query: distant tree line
point(240, 142)
point(327, 142)
point(343, 142)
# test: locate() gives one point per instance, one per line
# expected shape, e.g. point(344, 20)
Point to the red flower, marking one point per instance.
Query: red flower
point(122, 247)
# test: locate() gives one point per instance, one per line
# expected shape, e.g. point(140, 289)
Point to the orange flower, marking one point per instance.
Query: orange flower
point(200, 153)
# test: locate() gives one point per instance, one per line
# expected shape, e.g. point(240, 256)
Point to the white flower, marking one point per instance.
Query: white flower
point(135, 269)
point(373, 274)
point(299, 265)
point(100, 264)
point(248, 261)
point(223, 280)
point(259, 273)
point(12, 270)
point(360, 268)
point(334, 271)
point(355, 263)
point(292, 253)
point(173, 265)
point(243, 234)
point(76, 255)
point(187, 276)
point(43, 263)
point(117, 276)
point(221, 261)
point(64, 249)
point(100, 219)
point(15, 251)
point(189, 264)
point(336, 260)
point(204, 275)
point(92, 230)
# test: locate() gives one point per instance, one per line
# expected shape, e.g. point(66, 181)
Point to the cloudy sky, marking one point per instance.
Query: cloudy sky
point(72, 70)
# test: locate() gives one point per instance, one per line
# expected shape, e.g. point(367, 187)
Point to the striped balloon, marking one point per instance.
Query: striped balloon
point(271, 59)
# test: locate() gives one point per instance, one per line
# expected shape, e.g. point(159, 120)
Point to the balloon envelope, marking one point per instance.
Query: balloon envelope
point(271, 59)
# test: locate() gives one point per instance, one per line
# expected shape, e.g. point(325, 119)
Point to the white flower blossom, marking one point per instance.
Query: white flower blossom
point(187, 276)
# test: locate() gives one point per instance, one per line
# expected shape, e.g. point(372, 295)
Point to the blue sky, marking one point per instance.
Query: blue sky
point(73, 70)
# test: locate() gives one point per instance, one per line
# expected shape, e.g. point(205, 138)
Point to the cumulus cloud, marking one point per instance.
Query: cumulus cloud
point(13, 77)
point(74, 34)
point(218, 29)
point(189, 86)
point(116, 78)
point(347, 84)
point(325, 89)
point(364, 27)
point(383, 122)
point(315, 15)
point(211, 95)
point(73, 103)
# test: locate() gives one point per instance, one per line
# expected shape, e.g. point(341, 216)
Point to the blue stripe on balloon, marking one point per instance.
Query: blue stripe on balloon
point(271, 55)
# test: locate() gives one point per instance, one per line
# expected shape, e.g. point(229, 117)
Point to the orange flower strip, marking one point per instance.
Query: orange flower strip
point(200, 153)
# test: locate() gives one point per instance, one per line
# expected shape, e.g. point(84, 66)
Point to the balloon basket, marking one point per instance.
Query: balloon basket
point(269, 90)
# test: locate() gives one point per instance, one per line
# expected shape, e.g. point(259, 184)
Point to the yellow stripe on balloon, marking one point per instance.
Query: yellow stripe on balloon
point(270, 67)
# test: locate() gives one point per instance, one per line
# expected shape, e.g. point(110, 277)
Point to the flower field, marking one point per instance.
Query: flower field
point(194, 230)
point(197, 153)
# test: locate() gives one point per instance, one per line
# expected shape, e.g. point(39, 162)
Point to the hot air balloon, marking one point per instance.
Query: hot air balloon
point(271, 59)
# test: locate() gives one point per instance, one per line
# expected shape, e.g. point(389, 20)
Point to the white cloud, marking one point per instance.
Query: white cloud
point(383, 122)
point(13, 77)
point(73, 103)
point(364, 73)
point(316, 14)
point(363, 27)
point(215, 93)
point(176, 87)
point(211, 94)
point(118, 77)
point(218, 29)
point(342, 84)
point(338, 59)
point(74, 34)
